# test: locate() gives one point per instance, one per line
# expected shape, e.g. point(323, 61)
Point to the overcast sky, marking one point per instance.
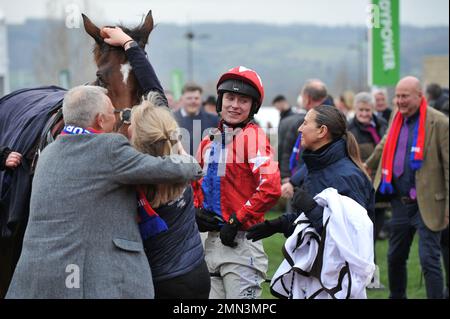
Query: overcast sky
point(324, 12)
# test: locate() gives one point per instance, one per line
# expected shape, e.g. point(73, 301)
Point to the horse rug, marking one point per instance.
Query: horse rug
point(23, 115)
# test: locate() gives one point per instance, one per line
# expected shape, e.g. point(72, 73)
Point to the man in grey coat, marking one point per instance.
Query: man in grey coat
point(82, 238)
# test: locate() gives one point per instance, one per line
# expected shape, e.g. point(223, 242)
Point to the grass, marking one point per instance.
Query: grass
point(416, 288)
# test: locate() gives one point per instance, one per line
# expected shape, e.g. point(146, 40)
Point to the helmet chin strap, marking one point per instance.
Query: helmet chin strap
point(233, 126)
point(238, 125)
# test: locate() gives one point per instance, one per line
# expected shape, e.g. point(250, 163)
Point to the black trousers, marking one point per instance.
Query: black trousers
point(406, 221)
point(444, 251)
point(196, 284)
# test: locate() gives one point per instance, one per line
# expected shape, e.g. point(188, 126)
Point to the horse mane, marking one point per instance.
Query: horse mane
point(137, 33)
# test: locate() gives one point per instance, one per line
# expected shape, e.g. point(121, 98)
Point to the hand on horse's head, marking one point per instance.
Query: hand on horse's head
point(114, 36)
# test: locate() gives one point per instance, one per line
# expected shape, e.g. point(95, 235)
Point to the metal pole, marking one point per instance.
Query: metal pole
point(190, 37)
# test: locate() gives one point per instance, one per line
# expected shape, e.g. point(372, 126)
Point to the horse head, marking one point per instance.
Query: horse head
point(114, 72)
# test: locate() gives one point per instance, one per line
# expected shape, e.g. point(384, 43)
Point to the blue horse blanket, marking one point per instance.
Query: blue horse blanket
point(23, 115)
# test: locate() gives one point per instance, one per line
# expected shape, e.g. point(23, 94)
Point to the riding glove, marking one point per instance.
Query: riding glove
point(265, 229)
point(207, 220)
point(229, 231)
point(302, 201)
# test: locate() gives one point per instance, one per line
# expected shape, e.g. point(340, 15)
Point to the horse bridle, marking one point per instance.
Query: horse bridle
point(124, 116)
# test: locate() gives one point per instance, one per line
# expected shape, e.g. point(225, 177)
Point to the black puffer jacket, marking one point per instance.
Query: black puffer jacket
point(178, 250)
point(330, 166)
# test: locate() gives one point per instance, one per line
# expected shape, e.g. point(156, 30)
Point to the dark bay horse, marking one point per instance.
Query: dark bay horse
point(31, 118)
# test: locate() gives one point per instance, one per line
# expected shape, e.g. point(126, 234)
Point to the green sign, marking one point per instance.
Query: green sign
point(176, 83)
point(385, 43)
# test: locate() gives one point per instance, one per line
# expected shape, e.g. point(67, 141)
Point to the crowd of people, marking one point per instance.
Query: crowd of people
point(128, 214)
point(414, 195)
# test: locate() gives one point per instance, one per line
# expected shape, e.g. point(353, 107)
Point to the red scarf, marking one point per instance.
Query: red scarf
point(416, 154)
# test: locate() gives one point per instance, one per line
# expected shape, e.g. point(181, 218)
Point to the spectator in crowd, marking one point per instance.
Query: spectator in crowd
point(285, 109)
point(331, 159)
point(414, 170)
point(314, 93)
point(210, 105)
point(437, 98)
point(241, 184)
point(83, 208)
point(368, 130)
point(345, 104)
point(282, 105)
point(9, 159)
point(176, 255)
point(192, 118)
point(382, 108)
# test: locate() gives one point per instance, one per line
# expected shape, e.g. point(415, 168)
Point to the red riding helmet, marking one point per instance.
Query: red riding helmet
point(243, 81)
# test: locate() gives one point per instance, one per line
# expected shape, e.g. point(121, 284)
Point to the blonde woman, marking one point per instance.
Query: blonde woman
point(175, 255)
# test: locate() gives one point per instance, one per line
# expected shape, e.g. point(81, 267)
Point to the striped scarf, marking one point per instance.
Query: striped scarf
point(75, 130)
point(150, 224)
point(416, 154)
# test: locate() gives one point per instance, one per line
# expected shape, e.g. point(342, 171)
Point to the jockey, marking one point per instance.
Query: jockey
point(241, 183)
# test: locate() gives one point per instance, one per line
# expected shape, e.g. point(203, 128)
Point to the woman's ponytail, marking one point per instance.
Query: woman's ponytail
point(353, 151)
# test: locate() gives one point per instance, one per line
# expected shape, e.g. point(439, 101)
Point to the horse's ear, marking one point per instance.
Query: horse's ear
point(92, 29)
point(146, 28)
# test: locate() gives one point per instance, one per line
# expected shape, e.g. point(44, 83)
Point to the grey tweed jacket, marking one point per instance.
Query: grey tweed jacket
point(82, 238)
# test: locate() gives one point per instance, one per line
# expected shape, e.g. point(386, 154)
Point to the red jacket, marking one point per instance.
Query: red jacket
point(246, 183)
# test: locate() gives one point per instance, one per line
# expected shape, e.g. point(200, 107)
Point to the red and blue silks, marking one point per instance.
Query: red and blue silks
point(241, 176)
point(416, 153)
point(150, 223)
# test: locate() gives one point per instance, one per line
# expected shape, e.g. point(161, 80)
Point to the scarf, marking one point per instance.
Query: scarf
point(416, 154)
point(150, 223)
point(372, 130)
point(75, 130)
point(295, 155)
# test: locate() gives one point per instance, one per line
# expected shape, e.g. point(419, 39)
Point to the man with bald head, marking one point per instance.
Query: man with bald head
point(314, 93)
point(414, 170)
